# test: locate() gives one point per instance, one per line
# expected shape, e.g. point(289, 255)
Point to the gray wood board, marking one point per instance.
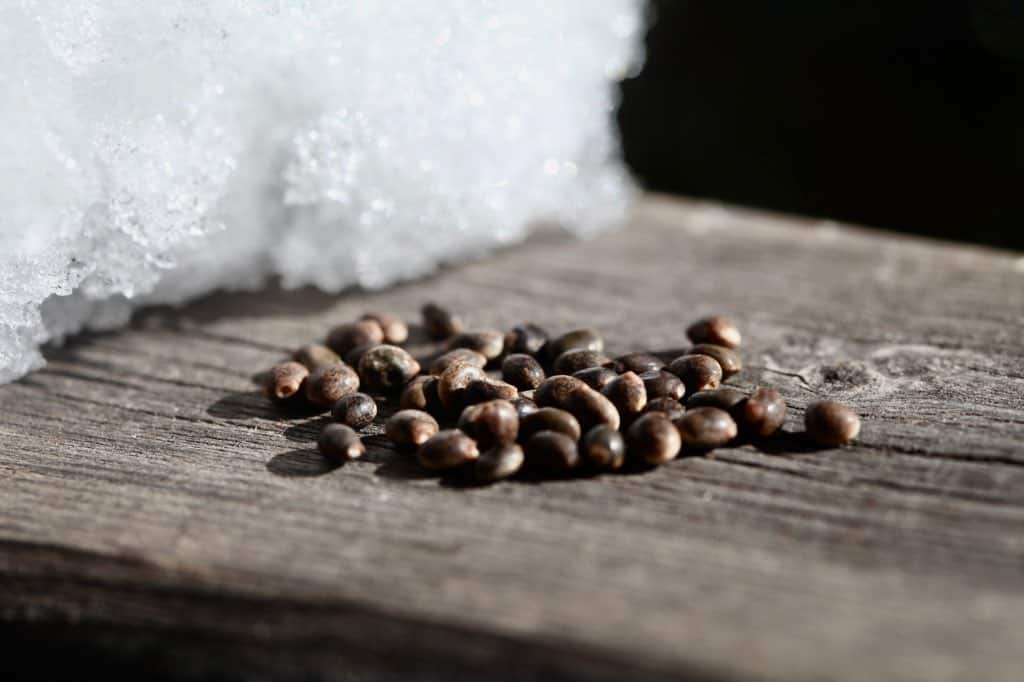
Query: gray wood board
point(153, 502)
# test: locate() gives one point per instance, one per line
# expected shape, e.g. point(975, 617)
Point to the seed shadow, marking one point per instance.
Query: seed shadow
point(252, 405)
point(300, 463)
point(307, 431)
point(786, 443)
point(402, 466)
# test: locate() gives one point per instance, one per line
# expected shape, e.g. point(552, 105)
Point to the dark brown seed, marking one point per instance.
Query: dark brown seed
point(313, 355)
point(451, 385)
point(439, 322)
point(574, 360)
point(726, 357)
point(414, 393)
point(595, 377)
point(716, 330)
point(482, 390)
point(591, 408)
point(447, 450)
point(526, 338)
point(353, 357)
point(345, 337)
point(723, 398)
point(551, 452)
point(653, 439)
point(326, 384)
point(339, 443)
point(463, 355)
point(524, 406)
point(764, 412)
point(586, 339)
point(697, 372)
point(672, 409)
point(663, 384)
point(284, 380)
point(486, 342)
point(410, 427)
point(637, 362)
point(355, 409)
point(522, 371)
point(549, 419)
point(627, 393)
point(831, 423)
point(555, 391)
point(387, 368)
point(705, 428)
point(500, 462)
point(396, 331)
point(490, 423)
point(604, 448)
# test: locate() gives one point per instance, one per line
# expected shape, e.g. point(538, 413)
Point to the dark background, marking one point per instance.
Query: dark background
point(903, 115)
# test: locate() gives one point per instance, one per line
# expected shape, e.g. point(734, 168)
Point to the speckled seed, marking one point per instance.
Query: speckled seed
point(596, 377)
point(396, 331)
point(764, 412)
point(637, 362)
point(574, 360)
point(525, 338)
point(522, 371)
point(447, 450)
point(586, 339)
point(627, 393)
point(663, 384)
point(697, 372)
point(549, 419)
point(355, 409)
point(490, 423)
point(313, 355)
point(284, 380)
point(704, 428)
point(653, 439)
point(463, 355)
point(723, 398)
point(339, 443)
point(726, 357)
point(481, 390)
point(451, 385)
point(591, 408)
point(410, 427)
point(498, 463)
point(603, 448)
point(439, 322)
point(345, 337)
point(326, 384)
point(831, 423)
point(387, 368)
point(716, 330)
point(555, 391)
point(551, 452)
point(485, 341)
point(353, 357)
point(672, 409)
point(524, 406)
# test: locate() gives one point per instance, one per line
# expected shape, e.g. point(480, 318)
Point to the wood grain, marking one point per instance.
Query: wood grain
point(156, 512)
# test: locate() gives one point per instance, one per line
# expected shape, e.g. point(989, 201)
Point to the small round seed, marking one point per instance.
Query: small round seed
point(486, 342)
point(637, 362)
point(667, 406)
point(482, 390)
point(591, 408)
point(353, 357)
point(284, 380)
point(728, 358)
point(522, 371)
point(586, 339)
point(524, 406)
point(663, 384)
point(705, 428)
point(763, 412)
point(463, 355)
point(627, 393)
point(387, 368)
point(345, 337)
point(439, 322)
point(831, 423)
point(447, 449)
point(410, 427)
point(396, 331)
point(716, 330)
point(604, 448)
point(697, 372)
point(723, 398)
point(551, 452)
point(653, 439)
point(498, 463)
point(312, 355)
point(451, 385)
point(525, 338)
point(596, 377)
point(326, 384)
point(555, 391)
point(339, 443)
point(490, 423)
point(355, 409)
point(549, 419)
point(576, 359)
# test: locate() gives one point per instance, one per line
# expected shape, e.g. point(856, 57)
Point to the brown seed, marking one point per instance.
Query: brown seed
point(284, 380)
point(604, 448)
point(586, 339)
point(831, 423)
point(410, 427)
point(716, 330)
point(672, 409)
point(482, 390)
point(723, 398)
point(697, 372)
point(729, 359)
point(451, 385)
point(653, 439)
point(355, 409)
point(339, 443)
point(490, 423)
point(413, 396)
point(551, 452)
point(326, 384)
point(595, 377)
point(396, 331)
point(637, 362)
point(627, 393)
point(312, 355)
point(555, 391)
point(439, 322)
point(353, 357)
point(591, 408)
point(387, 368)
point(524, 406)
point(574, 360)
point(447, 449)
point(345, 337)
point(487, 342)
point(705, 428)
point(525, 338)
point(522, 371)
point(663, 384)
point(463, 355)
point(498, 463)
point(549, 419)
point(764, 412)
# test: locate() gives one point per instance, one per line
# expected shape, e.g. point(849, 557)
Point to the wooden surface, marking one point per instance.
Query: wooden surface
point(157, 512)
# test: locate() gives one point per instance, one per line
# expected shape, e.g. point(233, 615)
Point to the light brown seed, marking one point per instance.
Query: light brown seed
point(439, 322)
point(524, 406)
point(410, 427)
point(522, 371)
point(830, 423)
point(604, 448)
point(396, 331)
point(339, 443)
point(716, 330)
point(697, 372)
point(764, 412)
point(327, 383)
point(591, 408)
point(284, 380)
point(577, 359)
point(663, 384)
point(555, 391)
point(463, 355)
point(705, 428)
point(586, 339)
point(447, 449)
point(653, 439)
point(723, 398)
point(627, 393)
point(355, 409)
point(490, 423)
point(313, 355)
point(525, 338)
point(637, 362)
point(551, 452)
point(498, 463)
point(487, 342)
point(387, 368)
point(549, 419)
point(672, 409)
point(729, 359)
point(482, 390)
point(595, 377)
point(345, 337)
point(451, 385)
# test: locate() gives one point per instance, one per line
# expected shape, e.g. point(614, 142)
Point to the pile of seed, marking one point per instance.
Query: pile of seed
point(560, 406)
